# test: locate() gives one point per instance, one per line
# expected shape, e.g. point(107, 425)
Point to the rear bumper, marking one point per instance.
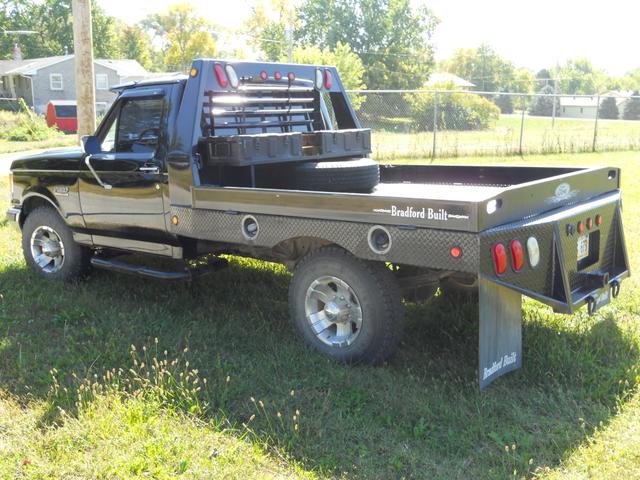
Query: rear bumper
point(567, 278)
point(13, 216)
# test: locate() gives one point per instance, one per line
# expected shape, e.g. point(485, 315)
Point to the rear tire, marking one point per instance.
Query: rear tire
point(359, 175)
point(49, 248)
point(346, 308)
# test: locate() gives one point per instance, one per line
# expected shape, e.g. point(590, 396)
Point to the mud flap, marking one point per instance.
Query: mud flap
point(500, 347)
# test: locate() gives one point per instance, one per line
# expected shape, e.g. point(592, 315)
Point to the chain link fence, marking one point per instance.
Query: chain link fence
point(449, 123)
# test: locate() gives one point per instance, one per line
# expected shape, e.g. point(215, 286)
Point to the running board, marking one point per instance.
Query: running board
point(142, 271)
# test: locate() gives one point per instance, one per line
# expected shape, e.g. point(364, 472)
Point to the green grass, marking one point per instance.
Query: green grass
point(573, 410)
point(568, 136)
point(61, 140)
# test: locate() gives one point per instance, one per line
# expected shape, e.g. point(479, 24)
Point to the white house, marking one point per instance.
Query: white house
point(578, 107)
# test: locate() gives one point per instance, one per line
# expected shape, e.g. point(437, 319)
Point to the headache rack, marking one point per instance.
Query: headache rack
point(262, 123)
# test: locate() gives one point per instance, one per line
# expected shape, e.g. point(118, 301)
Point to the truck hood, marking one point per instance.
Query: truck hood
point(57, 159)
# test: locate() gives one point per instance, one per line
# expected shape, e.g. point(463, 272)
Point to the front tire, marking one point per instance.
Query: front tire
point(49, 248)
point(346, 308)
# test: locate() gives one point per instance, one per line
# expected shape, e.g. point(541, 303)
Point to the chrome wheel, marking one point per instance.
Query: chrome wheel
point(47, 249)
point(333, 311)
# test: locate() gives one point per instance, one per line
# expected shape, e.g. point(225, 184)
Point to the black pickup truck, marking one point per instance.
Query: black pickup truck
point(269, 161)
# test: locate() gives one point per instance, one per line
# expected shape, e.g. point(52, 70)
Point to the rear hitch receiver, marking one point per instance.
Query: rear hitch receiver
point(597, 279)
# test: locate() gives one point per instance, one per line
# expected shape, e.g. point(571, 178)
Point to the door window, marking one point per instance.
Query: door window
point(139, 125)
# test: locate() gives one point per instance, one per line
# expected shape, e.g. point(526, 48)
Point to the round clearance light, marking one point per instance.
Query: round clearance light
point(493, 205)
point(598, 219)
point(580, 227)
point(277, 76)
point(319, 79)
point(291, 76)
point(232, 76)
point(379, 240)
point(263, 75)
point(174, 219)
point(250, 227)
point(193, 72)
point(455, 252)
point(533, 251)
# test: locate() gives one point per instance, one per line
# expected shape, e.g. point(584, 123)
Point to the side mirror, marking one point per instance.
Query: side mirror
point(91, 144)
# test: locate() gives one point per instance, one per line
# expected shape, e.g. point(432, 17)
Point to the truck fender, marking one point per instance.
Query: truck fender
point(35, 198)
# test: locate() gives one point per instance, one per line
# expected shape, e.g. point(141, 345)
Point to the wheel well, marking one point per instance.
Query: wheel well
point(31, 203)
point(293, 249)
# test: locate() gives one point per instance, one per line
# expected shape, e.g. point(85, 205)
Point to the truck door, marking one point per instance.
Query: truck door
point(122, 186)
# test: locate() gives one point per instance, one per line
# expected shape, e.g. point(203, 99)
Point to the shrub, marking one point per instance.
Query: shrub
point(632, 108)
point(542, 106)
point(609, 108)
point(456, 111)
point(25, 127)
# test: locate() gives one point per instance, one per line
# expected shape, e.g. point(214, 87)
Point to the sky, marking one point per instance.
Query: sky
point(533, 34)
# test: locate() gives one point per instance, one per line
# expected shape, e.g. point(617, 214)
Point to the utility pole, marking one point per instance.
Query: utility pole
point(83, 50)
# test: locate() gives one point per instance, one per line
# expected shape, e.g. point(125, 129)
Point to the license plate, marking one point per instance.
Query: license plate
point(583, 247)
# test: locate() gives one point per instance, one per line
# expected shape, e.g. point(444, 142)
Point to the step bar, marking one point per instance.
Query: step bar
point(142, 271)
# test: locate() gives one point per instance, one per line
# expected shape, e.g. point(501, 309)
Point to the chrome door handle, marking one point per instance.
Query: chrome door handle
point(150, 169)
point(87, 162)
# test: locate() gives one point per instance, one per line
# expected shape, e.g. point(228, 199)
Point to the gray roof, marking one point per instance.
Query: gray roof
point(440, 78)
point(579, 101)
point(124, 68)
point(29, 66)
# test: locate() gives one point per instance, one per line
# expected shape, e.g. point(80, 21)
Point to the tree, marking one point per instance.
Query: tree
point(391, 37)
point(579, 77)
point(184, 35)
point(543, 78)
point(609, 108)
point(488, 71)
point(268, 27)
point(631, 80)
point(134, 43)
point(632, 107)
point(348, 63)
point(504, 102)
point(542, 106)
point(53, 20)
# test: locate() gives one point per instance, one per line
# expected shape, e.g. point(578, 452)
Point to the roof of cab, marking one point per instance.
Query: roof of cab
point(160, 80)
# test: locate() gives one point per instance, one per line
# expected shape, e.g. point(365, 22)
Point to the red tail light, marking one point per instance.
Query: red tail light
point(455, 252)
point(277, 76)
point(598, 219)
point(580, 227)
point(220, 75)
point(500, 258)
point(263, 75)
point(291, 76)
point(589, 223)
point(517, 255)
point(327, 79)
